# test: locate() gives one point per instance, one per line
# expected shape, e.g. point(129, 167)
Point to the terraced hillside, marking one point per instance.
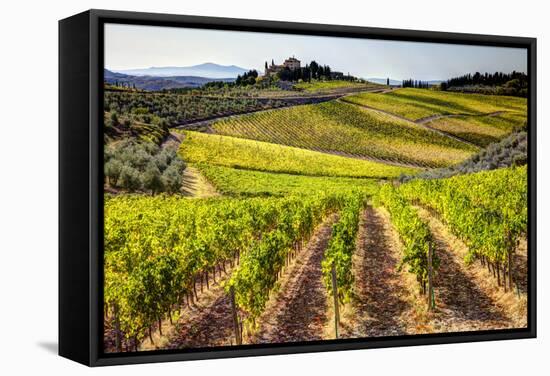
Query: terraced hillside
point(481, 130)
point(346, 129)
point(416, 104)
point(120, 127)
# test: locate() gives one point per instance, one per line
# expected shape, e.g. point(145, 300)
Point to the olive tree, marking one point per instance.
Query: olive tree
point(129, 178)
point(113, 168)
point(172, 178)
point(152, 178)
point(139, 166)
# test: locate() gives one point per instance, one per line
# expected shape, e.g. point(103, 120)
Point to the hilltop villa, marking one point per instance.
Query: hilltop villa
point(291, 63)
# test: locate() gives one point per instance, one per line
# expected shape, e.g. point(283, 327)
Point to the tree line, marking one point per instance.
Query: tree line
point(498, 83)
point(248, 78)
point(122, 84)
point(419, 84)
point(487, 79)
point(311, 71)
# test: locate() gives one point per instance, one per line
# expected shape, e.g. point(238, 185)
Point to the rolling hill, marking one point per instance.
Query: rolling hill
point(208, 70)
point(151, 83)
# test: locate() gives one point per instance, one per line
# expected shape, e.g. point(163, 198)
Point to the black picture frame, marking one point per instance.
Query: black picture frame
point(81, 177)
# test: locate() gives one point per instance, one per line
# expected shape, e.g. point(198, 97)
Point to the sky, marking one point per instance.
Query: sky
point(137, 46)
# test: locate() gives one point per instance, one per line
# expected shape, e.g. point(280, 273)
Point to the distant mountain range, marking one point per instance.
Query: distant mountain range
point(152, 83)
point(394, 82)
point(207, 70)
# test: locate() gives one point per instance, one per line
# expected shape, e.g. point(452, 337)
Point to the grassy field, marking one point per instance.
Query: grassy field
point(342, 127)
point(415, 104)
point(262, 156)
point(332, 85)
point(234, 182)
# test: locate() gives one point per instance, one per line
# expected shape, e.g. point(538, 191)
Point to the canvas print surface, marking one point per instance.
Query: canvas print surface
point(276, 188)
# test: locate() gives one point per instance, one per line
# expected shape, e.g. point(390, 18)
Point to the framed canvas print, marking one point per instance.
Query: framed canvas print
point(239, 187)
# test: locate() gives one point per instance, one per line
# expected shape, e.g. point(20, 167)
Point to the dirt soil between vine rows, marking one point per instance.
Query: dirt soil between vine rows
point(467, 296)
point(384, 302)
point(298, 311)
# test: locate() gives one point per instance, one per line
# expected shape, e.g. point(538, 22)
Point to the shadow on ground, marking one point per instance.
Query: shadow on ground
point(51, 347)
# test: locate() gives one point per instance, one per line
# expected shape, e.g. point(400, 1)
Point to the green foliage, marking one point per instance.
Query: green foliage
point(248, 78)
point(151, 178)
point(155, 247)
point(499, 83)
point(510, 152)
point(419, 84)
point(413, 232)
point(487, 210)
point(129, 178)
point(257, 273)
point(172, 179)
point(237, 182)
point(156, 108)
point(113, 169)
point(114, 119)
point(135, 167)
point(342, 245)
point(138, 125)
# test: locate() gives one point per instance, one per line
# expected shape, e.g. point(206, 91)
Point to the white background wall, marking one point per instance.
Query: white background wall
point(28, 187)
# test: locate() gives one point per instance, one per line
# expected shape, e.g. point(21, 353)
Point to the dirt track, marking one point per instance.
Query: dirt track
point(206, 323)
point(380, 304)
point(298, 311)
